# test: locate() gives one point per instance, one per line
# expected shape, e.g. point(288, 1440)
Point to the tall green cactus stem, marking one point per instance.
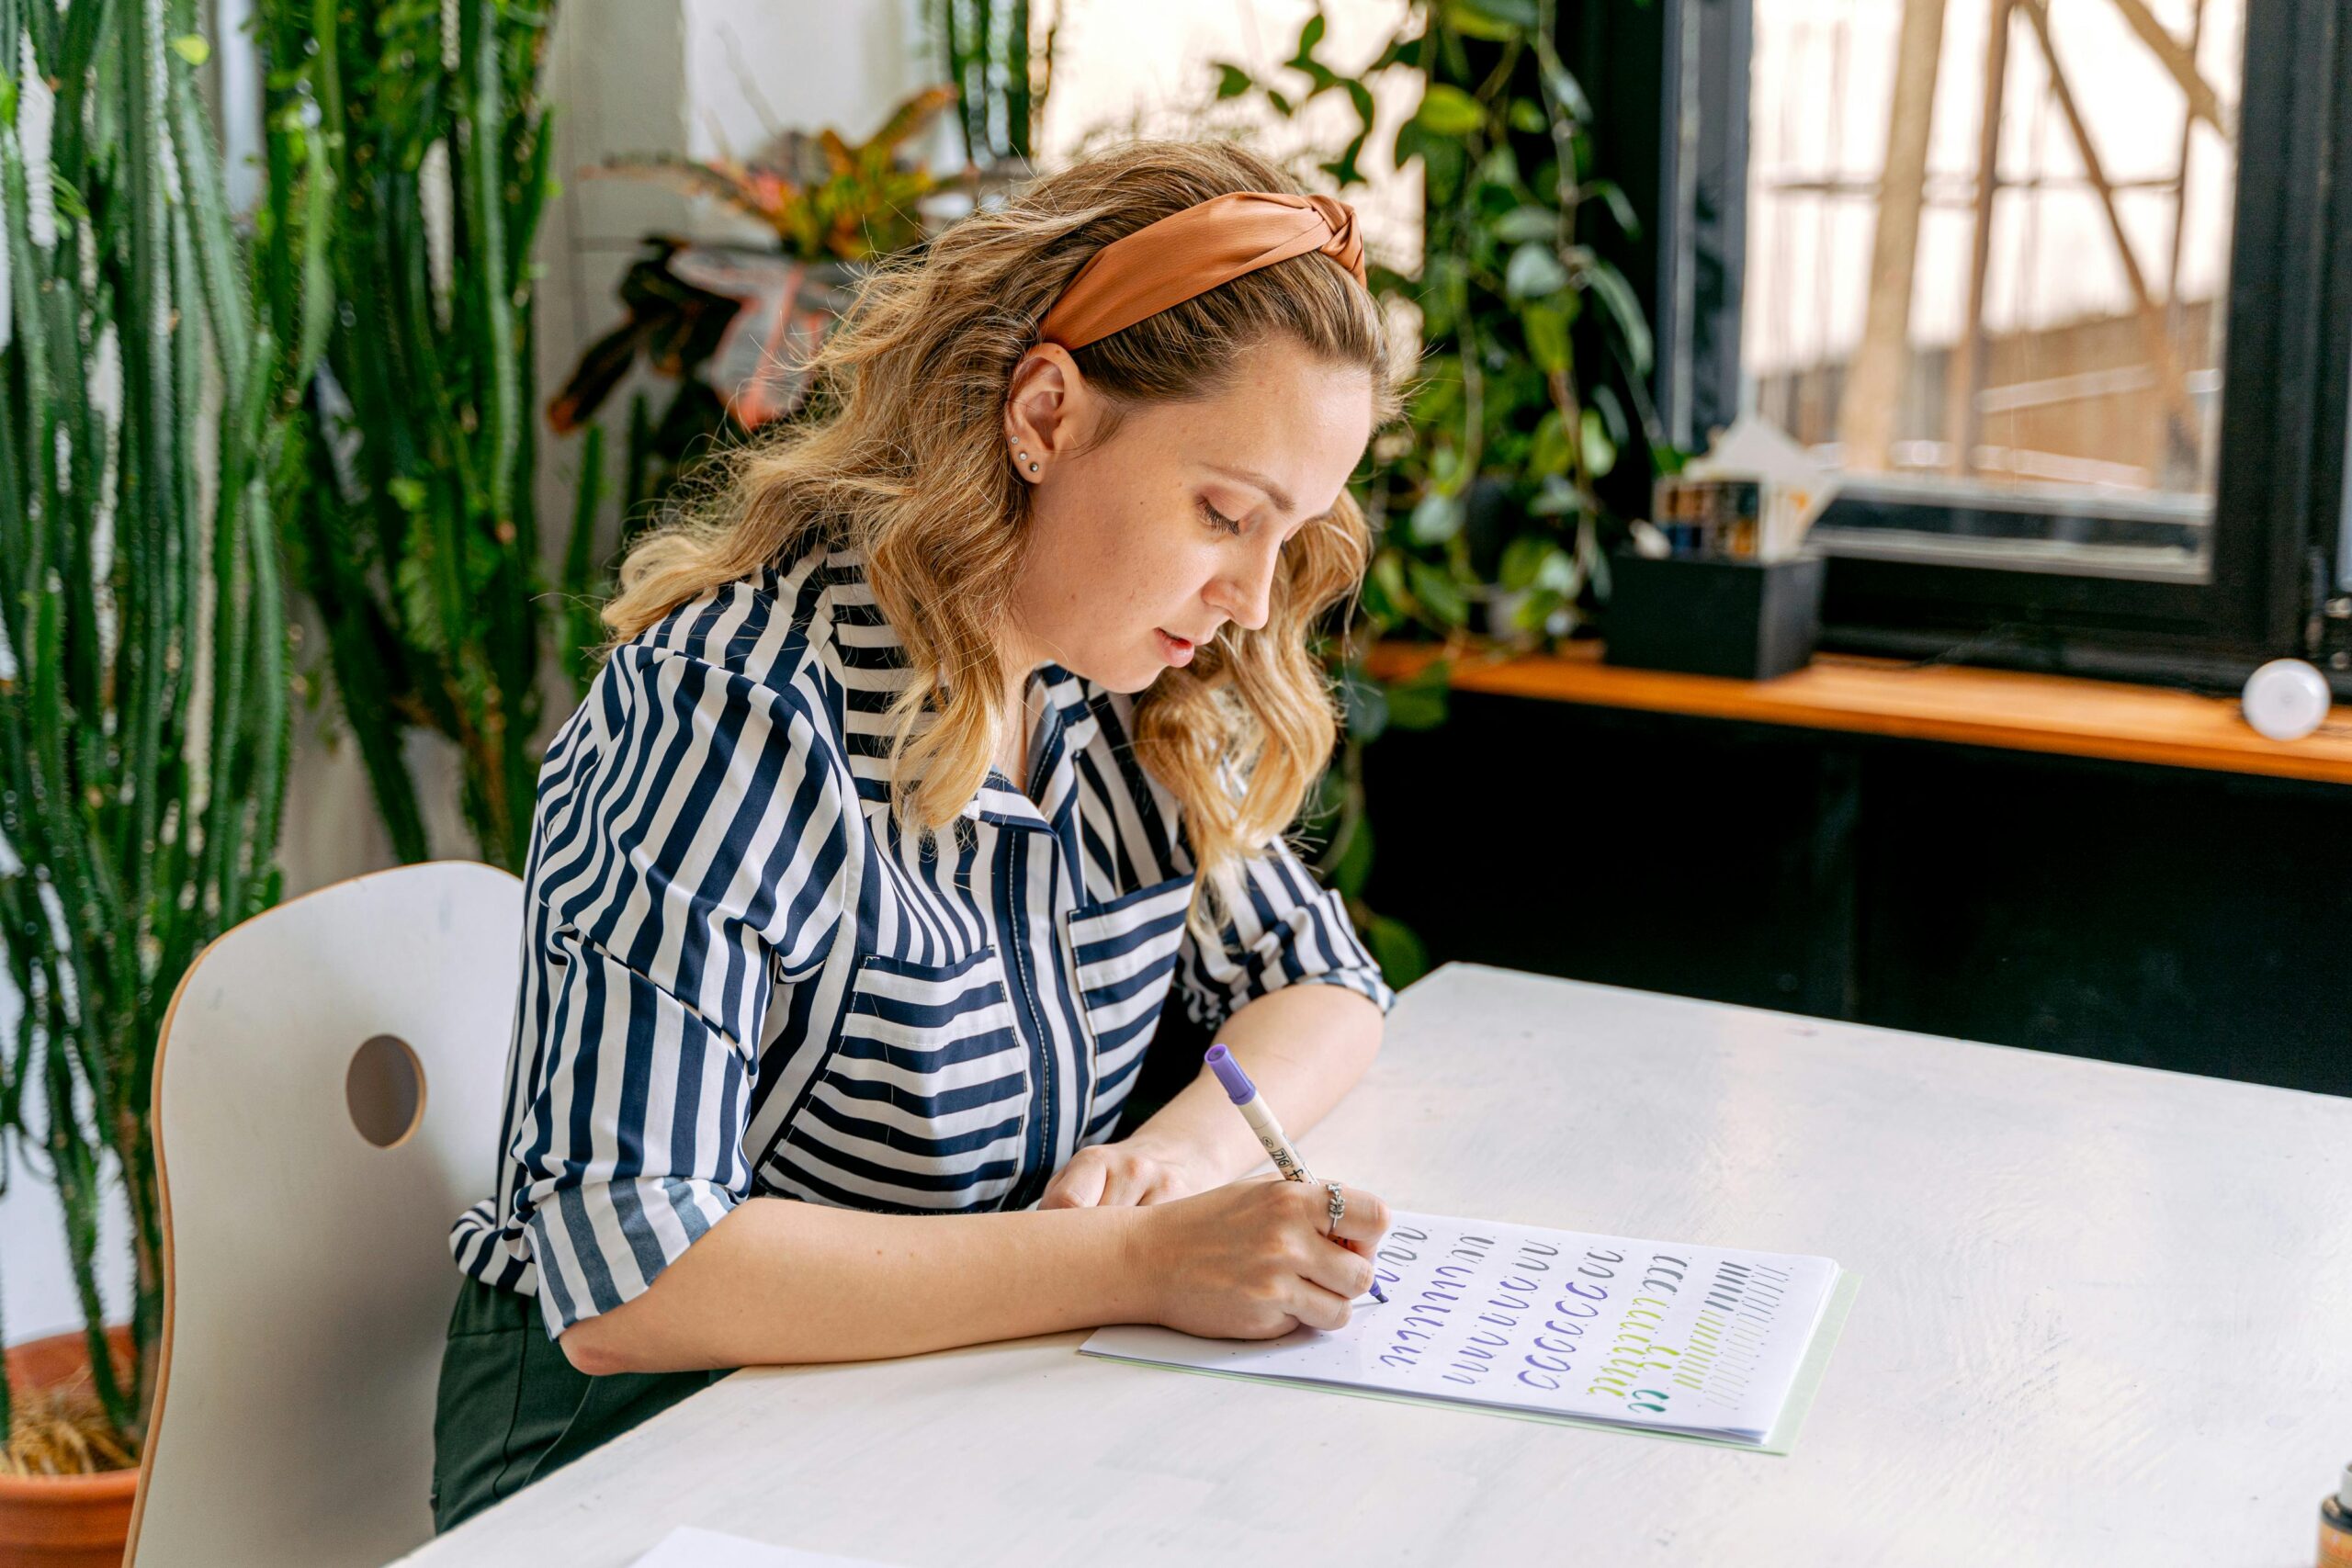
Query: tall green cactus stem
point(418, 539)
point(146, 397)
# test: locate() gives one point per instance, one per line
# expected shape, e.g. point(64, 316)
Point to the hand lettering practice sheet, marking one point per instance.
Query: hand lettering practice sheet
point(1662, 1335)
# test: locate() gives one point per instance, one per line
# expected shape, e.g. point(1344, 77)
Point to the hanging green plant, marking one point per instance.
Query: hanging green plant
point(1533, 382)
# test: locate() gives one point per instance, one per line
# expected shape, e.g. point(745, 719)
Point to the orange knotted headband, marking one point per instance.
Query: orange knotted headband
point(1188, 253)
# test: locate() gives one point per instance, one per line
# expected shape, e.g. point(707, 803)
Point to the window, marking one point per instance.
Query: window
point(1987, 267)
point(2060, 288)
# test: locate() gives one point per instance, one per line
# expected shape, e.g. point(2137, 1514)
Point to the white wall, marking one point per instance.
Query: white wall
point(36, 1284)
point(694, 76)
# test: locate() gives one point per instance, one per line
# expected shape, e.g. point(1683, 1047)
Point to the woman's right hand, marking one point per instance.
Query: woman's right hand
point(1252, 1261)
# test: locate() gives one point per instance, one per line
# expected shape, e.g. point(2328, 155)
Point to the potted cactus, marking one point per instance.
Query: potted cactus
point(149, 362)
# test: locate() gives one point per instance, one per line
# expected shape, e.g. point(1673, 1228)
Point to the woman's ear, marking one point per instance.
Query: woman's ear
point(1042, 409)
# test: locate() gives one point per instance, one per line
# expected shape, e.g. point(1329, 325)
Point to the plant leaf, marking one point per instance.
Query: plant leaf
point(1447, 110)
point(1526, 225)
point(1562, 82)
point(1599, 452)
point(1522, 558)
point(1546, 327)
point(1442, 597)
point(1342, 169)
point(1437, 517)
point(1547, 450)
point(1555, 497)
point(1515, 12)
point(1534, 271)
point(1471, 22)
point(1604, 397)
point(1621, 205)
point(1388, 580)
point(1399, 953)
point(1363, 704)
point(1617, 298)
point(1354, 865)
point(1419, 702)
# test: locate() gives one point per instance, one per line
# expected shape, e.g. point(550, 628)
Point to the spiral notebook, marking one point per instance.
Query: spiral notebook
point(1709, 1344)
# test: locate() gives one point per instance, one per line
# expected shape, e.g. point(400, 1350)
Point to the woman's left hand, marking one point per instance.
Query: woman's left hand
point(1119, 1175)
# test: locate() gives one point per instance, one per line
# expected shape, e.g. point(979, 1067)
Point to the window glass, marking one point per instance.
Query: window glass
point(2023, 370)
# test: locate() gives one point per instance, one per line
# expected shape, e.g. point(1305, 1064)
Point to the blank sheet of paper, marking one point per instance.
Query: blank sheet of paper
point(1666, 1337)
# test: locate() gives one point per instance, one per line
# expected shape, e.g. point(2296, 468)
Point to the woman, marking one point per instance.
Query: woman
point(919, 776)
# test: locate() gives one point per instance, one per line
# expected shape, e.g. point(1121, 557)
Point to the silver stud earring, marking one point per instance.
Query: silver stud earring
point(1032, 468)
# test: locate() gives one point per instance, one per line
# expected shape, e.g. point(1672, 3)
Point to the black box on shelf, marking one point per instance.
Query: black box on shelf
point(1709, 615)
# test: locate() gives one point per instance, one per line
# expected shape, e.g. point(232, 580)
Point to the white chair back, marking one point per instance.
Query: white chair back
point(308, 1279)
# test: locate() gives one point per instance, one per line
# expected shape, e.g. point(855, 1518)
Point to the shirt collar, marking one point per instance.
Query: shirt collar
point(873, 669)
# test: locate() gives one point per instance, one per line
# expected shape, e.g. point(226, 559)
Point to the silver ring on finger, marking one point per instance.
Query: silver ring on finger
point(1338, 1208)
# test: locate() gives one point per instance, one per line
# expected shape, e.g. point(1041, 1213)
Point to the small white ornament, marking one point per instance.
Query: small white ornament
point(2286, 699)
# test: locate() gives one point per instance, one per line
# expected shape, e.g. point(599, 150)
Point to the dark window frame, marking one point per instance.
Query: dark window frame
point(1674, 127)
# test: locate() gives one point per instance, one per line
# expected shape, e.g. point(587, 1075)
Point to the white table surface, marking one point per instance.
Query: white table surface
point(2106, 1318)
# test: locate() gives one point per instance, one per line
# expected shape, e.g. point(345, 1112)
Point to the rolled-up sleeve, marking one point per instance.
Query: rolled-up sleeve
point(689, 863)
point(1282, 928)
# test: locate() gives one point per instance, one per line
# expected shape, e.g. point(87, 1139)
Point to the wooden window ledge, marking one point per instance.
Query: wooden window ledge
point(2064, 714)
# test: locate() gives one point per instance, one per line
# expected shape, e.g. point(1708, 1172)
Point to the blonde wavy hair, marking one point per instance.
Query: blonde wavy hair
point(902, 456)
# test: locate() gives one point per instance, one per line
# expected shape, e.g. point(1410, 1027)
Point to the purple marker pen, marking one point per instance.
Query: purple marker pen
point(1260, 1117)
point(1253, 1109)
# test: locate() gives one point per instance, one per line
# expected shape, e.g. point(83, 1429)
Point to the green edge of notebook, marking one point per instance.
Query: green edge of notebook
point(1779, 1441)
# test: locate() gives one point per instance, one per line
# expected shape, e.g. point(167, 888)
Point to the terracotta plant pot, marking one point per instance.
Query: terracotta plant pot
point(63, 1521)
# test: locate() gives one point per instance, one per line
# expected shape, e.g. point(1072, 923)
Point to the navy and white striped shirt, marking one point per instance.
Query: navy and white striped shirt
point(741, 977)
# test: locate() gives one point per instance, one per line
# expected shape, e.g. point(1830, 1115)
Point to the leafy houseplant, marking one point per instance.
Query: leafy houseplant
point(149, 362)
point(734, 326)
point(419, 542)
point(1533, 385)
point(1533, 381)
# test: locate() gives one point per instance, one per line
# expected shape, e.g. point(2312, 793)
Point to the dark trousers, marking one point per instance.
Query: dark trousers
point(512, 1408)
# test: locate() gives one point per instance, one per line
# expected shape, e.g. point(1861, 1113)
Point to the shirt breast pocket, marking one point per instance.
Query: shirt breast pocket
point(924, 1100)
point(1123, 954)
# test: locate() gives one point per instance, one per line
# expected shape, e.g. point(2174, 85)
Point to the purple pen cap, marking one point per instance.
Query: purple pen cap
point(1228, 1073)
